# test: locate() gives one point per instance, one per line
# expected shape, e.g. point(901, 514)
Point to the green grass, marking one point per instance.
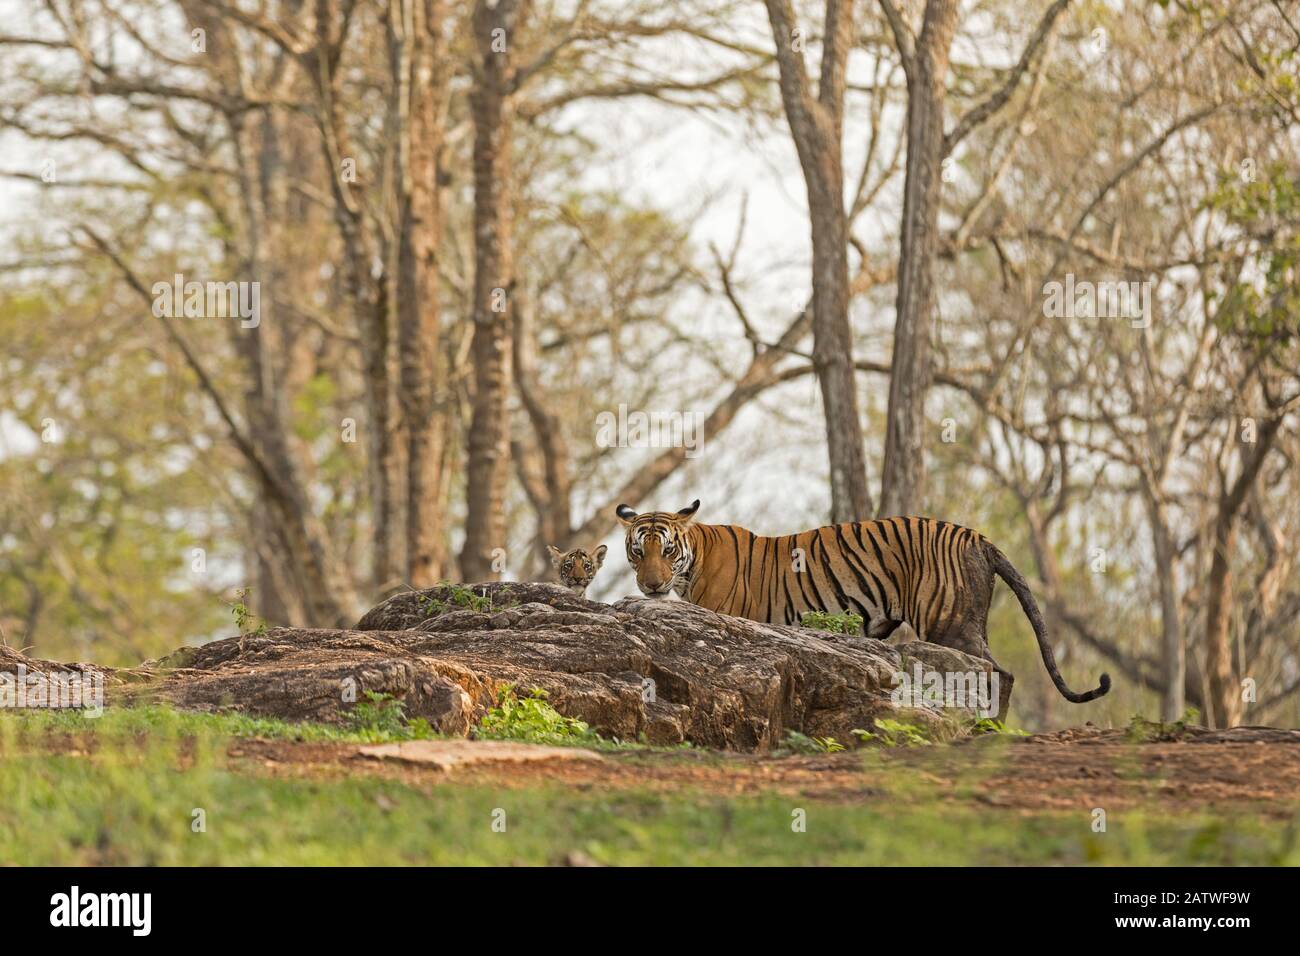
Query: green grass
point(988, 725)
point(844, 623)
point(796, 743)
point(376, 719)
point(124, 789)
point(1140, 730)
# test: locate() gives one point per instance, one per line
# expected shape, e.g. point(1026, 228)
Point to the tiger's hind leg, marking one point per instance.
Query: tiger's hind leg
point(1005, 682)
point(881, 628)
point(970, 627)
point(970, 638)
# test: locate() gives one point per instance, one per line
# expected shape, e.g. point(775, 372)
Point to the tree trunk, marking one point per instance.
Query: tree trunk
point(1225, 696)
point(421, 81)
point(488, 444)
point(816, 125)
point(318, 584)
point(270, 598)
point(367, 299)
point(903, 473)
point(1173, 657)
point(1224, 702)
point(833, 354)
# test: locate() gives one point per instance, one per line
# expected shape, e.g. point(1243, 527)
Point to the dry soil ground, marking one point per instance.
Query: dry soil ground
point(1247, 770)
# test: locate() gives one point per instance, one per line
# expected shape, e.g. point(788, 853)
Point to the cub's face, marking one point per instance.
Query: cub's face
point(577, 567)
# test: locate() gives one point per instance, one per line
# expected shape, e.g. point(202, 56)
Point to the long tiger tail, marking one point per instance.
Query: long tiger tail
point(1007, 572)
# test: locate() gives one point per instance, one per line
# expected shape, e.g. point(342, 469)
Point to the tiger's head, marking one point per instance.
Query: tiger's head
point(577, 567)
point(659, 548)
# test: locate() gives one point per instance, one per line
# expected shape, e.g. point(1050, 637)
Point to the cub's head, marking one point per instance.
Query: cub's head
point(577, 567)
point(659, 548)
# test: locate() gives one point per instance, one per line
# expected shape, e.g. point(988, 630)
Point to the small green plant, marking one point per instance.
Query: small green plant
point(795, 743)
point(895, 733)
point(457, 596)
point(247, 622)
point(990, 725)
point(1140, 730)
point(382, 717)
point(835, 623)
point(532, 720)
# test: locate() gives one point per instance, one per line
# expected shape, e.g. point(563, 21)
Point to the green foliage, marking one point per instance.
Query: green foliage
point(381, 717)
point(1262, 304)
point(900, 733)
point(245, 619)
point(532, 720)
point(311, 407)
point(895, 733)
point(1140, 730)
point(801, 744)
point(107, 484)
point(844, 623)
point(458, 596)
point(989, 725)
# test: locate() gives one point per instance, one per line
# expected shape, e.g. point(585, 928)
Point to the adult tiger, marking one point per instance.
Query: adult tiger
point(933, 575)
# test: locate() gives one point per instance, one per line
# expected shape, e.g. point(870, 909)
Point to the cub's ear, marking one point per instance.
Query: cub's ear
point(556, 554)
point(624, 513)
point(687, 512)
point(599, 555)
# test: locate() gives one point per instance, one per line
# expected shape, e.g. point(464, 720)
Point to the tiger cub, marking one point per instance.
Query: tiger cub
point(577, 567)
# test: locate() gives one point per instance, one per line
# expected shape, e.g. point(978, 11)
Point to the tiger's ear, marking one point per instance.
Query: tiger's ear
point(625, 513)
point(685, 513)
point(556, 554)
point(599, 555)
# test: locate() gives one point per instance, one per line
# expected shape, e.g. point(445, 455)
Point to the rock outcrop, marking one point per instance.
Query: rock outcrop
point(661, 671)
